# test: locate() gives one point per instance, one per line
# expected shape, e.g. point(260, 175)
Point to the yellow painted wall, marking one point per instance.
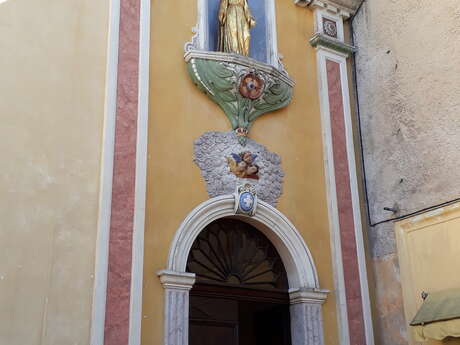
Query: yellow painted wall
point(179, 114)
point(52, 84)
point(428, 249)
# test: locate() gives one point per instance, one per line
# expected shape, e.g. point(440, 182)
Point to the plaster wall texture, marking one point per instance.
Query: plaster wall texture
point(409, 103)
point(52, 67)
point(408, 83)
point(180, 113)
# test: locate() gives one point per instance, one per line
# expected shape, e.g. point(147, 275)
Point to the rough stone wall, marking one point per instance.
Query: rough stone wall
point(408, 79)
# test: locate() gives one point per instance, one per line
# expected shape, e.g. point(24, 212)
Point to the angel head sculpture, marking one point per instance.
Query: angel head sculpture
point(242, 165)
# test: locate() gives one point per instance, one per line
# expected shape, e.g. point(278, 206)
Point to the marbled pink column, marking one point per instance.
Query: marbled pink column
point(124, 173)
point(345, 206)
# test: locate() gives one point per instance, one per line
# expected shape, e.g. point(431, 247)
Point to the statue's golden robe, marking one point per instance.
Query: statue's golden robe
point(235, 23)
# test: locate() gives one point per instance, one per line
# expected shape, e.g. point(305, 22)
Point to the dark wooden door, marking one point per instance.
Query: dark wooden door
point(234, 319)
point(272, 326)
point(241, 294)
point(262, 323)
point(213, 321)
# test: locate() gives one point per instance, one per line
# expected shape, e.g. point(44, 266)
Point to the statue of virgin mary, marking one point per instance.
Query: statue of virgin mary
point(235, 21)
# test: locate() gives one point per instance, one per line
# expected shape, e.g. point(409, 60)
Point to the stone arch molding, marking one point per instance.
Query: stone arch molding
point(306, 297)
point(280, 231)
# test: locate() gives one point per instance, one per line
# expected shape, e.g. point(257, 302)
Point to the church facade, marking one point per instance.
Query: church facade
point(202, 172)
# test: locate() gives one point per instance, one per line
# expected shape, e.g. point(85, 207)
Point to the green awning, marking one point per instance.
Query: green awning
point(439, 306)
point(438, 317)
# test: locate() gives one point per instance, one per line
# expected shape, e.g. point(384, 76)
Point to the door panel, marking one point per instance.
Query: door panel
point(241, 291)
point(203, 332)
point(213, 321)
point(234, 321)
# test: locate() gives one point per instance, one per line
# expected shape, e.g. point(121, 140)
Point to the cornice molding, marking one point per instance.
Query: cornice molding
point(308, 296)
point(176, 280)
point(302, 3)
point(320, 40)
point(343, 8)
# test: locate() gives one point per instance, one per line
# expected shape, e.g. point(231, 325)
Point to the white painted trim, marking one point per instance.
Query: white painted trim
point(356, 207)
point(202, 25)
point(106, 178)
point(322, 55)
point(272, 38)
point(296, 256)
point(137, 266)
point(336, 246)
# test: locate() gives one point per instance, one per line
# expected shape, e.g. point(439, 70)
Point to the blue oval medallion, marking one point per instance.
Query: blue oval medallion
point(246, 201)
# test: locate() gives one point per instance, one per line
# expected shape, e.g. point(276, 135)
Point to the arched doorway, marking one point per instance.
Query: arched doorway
point(240, 296)
point(305, 295)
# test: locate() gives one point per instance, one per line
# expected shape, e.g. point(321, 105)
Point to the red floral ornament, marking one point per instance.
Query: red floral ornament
point(251, 86)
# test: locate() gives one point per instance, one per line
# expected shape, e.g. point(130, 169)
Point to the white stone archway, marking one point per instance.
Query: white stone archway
point(306, 297)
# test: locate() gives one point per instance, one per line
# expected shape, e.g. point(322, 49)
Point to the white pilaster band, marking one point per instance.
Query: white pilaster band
point(306, 324)
point(306, 316)
point(177, 286)
point(332, 54)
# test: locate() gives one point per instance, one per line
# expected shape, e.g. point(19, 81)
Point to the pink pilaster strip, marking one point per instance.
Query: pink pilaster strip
point(124, 173)
point(345, 206)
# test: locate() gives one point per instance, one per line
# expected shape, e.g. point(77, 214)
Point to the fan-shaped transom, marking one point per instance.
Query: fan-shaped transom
point(231, 252)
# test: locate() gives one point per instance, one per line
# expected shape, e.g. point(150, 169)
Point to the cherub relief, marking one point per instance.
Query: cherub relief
point(242, 165)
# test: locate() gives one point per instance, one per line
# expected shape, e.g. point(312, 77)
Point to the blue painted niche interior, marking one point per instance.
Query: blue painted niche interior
point(258, 49)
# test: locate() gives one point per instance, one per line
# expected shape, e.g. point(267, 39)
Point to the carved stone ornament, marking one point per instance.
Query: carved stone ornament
point(330, 27)
point(225, 165)
point(243, 88)
point(246, 200)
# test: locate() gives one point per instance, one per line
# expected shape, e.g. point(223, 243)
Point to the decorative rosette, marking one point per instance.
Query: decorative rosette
point(251, 86)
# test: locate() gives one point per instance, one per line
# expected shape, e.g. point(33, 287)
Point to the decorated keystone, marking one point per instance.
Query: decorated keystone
point(242, 87)
point(245, 200)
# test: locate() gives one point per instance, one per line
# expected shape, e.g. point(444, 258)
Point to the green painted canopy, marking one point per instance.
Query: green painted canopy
point(439, 306)
point(222, 76)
